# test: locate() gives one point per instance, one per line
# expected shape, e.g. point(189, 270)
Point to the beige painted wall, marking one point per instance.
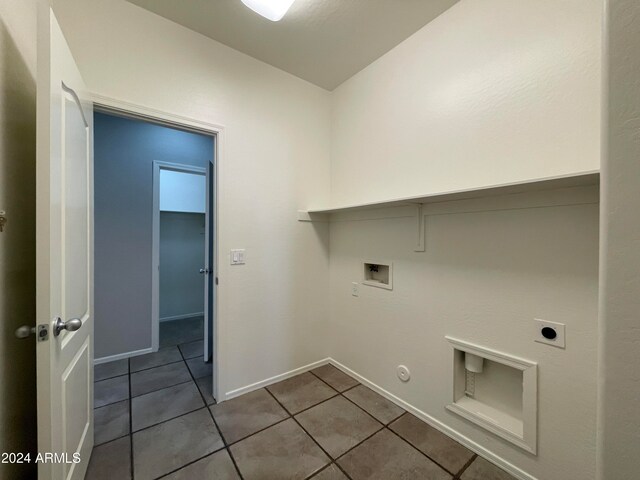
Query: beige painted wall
point(489, 269)
point(273, 310)
point(17, 241)
point(495, 91)
point(619, 333)
point(491, 91)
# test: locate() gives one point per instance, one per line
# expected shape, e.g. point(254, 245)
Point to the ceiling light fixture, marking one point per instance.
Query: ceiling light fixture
point(274, 10)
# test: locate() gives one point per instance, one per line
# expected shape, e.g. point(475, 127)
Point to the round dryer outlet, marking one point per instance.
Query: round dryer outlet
point(403, 373)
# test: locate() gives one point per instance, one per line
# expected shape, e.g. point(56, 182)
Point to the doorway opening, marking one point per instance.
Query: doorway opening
point(155, 251)
point(181, 260)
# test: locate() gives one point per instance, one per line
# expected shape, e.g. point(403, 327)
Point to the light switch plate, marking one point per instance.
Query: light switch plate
point(542, 327)
point(354, 289)
point(237, 257)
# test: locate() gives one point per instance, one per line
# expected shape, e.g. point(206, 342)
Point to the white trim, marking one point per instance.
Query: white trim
point(131, 110)
point(180, 317)
point(271, 380)
point(127, 109)
point(120, 356)
point(438, 425)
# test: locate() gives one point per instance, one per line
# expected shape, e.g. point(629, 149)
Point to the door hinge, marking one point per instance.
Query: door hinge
point(216, 280)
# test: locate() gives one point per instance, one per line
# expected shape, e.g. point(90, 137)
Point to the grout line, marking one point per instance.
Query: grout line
point(168, 419)
point(111, 378)
point(465, 466)
point(416, 448)
point(155, 366)
point(226, 446)
point(130, 421)
point(352, 402)
point(328, 384)
point(354, 447)
point(287, 413)
point(177, 416)
point(327, 466)
point(384, 426)
point(159, 389)
point(310, 436)
point(387, 426)
point(164, 475)
point(304, 409)
point(110, 404)
point(351, 388)
point(224, 441)
point(111, 440)
point(318, 471)
point(261, 430)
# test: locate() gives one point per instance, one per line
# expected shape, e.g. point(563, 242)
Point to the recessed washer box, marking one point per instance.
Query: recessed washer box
point(503, 399)
point(378, 274)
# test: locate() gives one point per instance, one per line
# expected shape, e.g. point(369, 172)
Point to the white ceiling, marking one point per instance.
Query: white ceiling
point(322, 41)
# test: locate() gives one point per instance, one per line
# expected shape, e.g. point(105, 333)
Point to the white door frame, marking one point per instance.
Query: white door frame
point(155, 244)
point(130, 110)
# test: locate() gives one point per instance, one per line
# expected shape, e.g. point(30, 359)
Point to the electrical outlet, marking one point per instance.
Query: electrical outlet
point(551, 333)
point(355, 291)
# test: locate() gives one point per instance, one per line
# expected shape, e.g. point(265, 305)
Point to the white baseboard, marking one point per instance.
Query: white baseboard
point(278, 378)
point(180, 317)
point(438, 425)
point(120, 356)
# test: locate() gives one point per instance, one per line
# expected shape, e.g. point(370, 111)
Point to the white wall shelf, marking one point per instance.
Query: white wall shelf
point(574, 180)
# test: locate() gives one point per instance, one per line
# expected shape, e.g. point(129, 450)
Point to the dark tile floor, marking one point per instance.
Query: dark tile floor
point(321, 424)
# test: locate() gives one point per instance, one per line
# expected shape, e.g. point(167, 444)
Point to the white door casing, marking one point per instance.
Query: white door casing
point(209, 249)
point(64, 239)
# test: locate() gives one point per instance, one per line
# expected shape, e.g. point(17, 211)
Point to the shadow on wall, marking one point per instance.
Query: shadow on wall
point(17, 256)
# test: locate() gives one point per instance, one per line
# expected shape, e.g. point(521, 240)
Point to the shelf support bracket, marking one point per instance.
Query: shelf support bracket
point(420, 225)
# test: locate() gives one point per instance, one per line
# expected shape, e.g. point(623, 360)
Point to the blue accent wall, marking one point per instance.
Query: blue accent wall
point(124, 152)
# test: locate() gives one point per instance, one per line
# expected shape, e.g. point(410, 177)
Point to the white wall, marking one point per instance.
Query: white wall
point(492, 91)
point(182, 192)
point(272, 312)
point(181, 258)
point(619, 334)
point(17, 241)
point(490, 267)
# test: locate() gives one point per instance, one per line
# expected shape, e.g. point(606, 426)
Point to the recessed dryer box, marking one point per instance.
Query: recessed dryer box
point(501, 399)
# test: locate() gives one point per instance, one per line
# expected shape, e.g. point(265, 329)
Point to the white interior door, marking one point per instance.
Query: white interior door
point(64, 257)
point(210, 276)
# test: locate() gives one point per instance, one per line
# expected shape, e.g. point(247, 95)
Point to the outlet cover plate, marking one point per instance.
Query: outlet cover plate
point(558, 341)
point(237, 256)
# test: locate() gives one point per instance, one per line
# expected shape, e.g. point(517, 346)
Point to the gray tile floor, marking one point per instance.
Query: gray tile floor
point(321, 424)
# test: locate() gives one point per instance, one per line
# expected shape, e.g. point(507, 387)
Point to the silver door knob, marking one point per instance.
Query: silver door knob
point(24, 331)
point(204, 270)
point(70, 325)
